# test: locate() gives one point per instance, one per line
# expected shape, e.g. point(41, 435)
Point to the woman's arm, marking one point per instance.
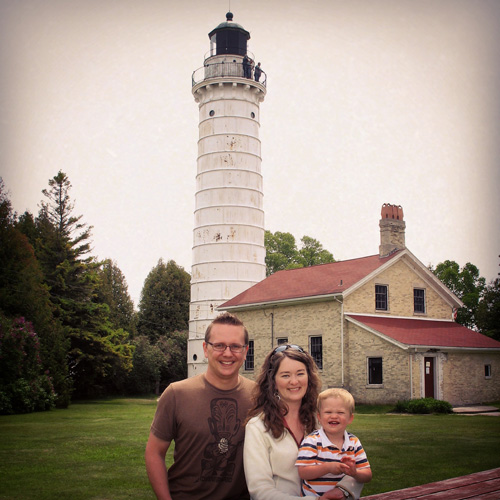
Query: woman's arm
point(352, 486)
point(265, 480)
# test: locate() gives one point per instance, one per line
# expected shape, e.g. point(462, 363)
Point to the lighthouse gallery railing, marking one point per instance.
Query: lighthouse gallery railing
point(224, 69)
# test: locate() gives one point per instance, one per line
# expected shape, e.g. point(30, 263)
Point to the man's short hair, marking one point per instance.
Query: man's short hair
point(226, 319)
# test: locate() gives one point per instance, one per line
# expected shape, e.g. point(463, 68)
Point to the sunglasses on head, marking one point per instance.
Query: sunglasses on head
point(285, 347)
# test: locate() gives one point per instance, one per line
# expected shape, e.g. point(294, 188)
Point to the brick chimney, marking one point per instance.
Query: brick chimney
point(392, 229)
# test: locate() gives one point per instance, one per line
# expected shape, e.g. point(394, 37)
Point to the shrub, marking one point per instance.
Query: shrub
point(423, 406)
point(441, 407)
point(25, 387)
point(401, 407)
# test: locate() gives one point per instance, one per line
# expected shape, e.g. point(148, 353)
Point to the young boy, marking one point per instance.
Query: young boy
point(330, 452)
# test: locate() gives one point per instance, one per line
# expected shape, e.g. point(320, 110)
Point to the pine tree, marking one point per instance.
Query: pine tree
point(99, 355)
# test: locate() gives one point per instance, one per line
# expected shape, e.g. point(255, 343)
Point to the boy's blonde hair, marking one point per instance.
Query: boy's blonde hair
point(342, 394)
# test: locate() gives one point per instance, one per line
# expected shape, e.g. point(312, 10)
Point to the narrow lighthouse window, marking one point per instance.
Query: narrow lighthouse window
point(212, 112)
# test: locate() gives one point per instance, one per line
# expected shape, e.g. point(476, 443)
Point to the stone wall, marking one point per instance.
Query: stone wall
point(362, 345)
point(400, 280)
point(297, 323)
point(464, 380)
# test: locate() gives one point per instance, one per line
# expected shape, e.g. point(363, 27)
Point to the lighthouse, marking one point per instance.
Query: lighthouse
point(228, 238)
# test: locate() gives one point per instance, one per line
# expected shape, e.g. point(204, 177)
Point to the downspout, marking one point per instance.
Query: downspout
point(272, 330)
point(341, 338)
point(272, 326)
point(411, 373)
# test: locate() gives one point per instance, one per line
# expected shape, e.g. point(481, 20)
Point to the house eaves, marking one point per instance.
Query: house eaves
point(281, 303)
point(434, 335)
point(432, 279)
point(420, 269)
point(377, 333)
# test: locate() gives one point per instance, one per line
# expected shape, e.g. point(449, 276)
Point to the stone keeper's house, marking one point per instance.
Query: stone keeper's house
point(380, 326)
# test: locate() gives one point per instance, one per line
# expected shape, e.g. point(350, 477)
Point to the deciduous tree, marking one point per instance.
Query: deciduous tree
point(312, 253)
point(466, 284)
point(164, 304)
point(148, 364)
point(113, 291)
point(24, 386)
point(488, 311)
point(282, 252)
point(23, 293)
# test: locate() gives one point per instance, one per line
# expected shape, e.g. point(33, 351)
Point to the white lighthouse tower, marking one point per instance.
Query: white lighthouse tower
point(228, 239)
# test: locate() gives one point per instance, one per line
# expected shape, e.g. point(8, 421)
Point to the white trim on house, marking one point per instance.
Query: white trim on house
point(372, 315)
point(377, 333)
point(419, 269)
point(282, 302)
point(420, 348)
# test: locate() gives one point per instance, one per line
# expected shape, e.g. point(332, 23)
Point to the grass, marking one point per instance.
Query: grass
point(408, 450)
point(95, 450)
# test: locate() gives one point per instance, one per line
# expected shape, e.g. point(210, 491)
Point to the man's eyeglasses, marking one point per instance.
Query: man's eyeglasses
point(222, 347)
point(285, 347)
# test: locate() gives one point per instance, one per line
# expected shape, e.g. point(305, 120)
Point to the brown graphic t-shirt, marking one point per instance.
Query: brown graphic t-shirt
point(206, 424)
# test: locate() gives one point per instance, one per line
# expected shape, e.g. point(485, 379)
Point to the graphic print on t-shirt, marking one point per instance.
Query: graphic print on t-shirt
point(219, 456)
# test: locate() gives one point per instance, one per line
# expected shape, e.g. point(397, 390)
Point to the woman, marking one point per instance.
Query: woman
point(283, 413)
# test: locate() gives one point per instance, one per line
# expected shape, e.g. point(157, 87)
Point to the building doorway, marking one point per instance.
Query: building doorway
point(429, 367)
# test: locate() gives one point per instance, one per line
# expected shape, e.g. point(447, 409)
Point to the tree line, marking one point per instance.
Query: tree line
point(68, 328)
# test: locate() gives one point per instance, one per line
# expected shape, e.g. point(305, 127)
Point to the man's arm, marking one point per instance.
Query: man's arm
point(156, 449)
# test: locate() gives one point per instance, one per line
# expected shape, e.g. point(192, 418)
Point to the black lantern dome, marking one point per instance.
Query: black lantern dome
point(229, 38)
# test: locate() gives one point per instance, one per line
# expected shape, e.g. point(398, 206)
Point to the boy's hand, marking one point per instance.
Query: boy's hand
point(350, 465)
point(338, 468)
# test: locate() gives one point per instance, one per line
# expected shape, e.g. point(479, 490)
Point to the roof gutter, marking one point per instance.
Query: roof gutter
point(284, 302)
point(421, 347)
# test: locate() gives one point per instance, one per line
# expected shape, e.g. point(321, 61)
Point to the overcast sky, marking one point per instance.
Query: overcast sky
point(369, 102)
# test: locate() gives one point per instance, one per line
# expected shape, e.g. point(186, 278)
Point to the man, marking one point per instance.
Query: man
point(257, 72)
point(205, 417)
point(247, 67)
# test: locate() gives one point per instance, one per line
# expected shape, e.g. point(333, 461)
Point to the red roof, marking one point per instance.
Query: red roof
point(325, 279)
point(433, 333)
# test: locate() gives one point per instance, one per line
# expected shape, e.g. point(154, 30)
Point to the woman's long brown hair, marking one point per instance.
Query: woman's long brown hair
point(272, 408)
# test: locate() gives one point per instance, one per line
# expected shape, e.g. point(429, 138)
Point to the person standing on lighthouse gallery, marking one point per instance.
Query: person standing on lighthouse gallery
point(204, 416)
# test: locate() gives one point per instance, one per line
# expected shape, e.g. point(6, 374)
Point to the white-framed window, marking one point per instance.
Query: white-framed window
point(419, 300)
point(250, 359)
point(375, 371)
point(381, 297)
point(487, 371)
point(316, 350)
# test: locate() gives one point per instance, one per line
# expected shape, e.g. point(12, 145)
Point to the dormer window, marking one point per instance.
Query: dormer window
point(381, 302)
point(419, 300)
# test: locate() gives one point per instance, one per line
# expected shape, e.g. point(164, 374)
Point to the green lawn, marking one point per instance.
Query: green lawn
point(95, 450)
point(407, 450)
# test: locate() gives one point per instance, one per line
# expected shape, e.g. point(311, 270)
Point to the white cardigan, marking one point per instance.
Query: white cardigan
point(270, 465)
